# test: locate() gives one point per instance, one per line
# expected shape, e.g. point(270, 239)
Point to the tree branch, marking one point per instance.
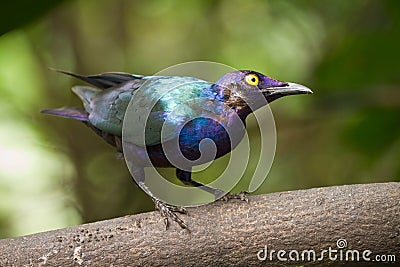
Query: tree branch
point(366, 215)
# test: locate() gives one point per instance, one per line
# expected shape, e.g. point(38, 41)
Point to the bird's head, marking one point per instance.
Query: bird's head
point(242, 88)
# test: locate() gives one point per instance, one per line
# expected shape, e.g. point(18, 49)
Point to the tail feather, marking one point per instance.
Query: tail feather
point(85, 93)
point(68, 112)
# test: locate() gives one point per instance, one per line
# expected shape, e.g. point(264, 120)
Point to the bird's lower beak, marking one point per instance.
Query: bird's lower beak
point(273, 93)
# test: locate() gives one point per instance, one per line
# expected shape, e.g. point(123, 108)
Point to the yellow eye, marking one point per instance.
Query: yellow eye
point(252, 79)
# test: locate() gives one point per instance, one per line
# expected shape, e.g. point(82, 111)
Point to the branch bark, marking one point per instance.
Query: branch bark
point(367, 216)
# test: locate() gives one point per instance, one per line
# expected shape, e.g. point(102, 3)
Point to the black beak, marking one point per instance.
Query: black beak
point(273, 93)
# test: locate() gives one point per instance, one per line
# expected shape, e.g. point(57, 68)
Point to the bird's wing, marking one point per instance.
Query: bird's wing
point(164, 104)
point(104, 80)
point(107, 107)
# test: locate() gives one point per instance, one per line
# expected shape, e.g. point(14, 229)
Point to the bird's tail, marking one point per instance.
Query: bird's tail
point(68, 112)
point(85, 93)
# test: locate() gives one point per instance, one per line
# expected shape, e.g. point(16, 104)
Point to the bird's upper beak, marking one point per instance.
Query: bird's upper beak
point(273, 93)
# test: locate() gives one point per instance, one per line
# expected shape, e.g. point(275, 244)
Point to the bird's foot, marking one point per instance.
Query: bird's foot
point(168, 212)
point(241, 196)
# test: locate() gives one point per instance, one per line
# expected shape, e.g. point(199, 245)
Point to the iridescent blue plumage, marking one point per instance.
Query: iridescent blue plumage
point(183, 108)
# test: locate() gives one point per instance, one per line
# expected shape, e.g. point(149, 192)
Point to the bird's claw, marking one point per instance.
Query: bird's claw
point(168, 212)
point(241, 196)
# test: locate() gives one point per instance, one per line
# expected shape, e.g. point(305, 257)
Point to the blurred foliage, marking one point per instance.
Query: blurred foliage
point(18, 13)
point(56, 172)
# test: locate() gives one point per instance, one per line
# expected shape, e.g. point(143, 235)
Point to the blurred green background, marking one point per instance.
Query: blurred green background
point(56, 172)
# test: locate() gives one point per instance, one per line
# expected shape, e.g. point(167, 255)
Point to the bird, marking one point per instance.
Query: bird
point(216, 110)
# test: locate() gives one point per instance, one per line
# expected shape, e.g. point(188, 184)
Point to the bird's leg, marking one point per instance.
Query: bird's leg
point(186, 178)
point(242, 196)
point(166, 211)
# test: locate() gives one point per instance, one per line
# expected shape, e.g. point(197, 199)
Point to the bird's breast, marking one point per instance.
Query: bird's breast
point(201, 140)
